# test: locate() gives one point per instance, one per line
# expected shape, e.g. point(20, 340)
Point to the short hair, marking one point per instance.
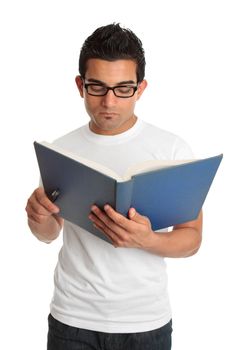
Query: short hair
point(111, 43)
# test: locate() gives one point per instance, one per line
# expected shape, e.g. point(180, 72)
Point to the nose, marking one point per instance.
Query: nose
point(109, 99)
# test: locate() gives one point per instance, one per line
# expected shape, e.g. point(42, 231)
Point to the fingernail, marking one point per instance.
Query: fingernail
point(132, 212)
point(55, 210)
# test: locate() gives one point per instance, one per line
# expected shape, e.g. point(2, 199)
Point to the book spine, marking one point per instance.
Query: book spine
point(124, 192)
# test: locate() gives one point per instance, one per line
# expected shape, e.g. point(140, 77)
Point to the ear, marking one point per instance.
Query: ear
point(79, 83)
point(141, 88)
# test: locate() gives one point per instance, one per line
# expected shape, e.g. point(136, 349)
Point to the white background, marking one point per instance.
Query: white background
point(189, 53)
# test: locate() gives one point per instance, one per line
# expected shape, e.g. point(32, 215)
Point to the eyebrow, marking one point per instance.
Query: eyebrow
point(124, 82)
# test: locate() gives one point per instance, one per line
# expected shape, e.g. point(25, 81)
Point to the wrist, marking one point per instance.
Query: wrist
point(157, 243)
point(151, 242)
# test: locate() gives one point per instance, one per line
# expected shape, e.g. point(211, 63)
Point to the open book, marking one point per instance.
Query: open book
point(168, 192)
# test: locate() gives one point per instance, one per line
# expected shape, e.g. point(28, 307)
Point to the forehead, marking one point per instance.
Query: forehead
point(111, 72)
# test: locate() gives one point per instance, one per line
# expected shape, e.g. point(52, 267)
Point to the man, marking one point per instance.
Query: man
point(107, 298)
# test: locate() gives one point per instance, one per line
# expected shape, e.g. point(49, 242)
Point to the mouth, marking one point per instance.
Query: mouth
point(108, 115)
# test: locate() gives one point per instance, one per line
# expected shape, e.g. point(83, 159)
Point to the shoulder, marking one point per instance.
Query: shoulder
point(165, 143)
point(70, 138)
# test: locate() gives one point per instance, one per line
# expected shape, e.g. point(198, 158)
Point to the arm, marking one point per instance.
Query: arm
point(183, 241)
point(135, 232)
point(43, 220)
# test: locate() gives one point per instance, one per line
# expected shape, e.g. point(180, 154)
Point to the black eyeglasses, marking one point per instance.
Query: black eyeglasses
point(122, 91)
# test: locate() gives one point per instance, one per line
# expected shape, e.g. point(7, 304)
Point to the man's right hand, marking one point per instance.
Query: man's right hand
point(43, 220)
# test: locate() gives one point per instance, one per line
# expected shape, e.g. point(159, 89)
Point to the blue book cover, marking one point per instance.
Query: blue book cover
point(169, 195)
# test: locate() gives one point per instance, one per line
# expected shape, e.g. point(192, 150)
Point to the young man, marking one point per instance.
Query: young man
point(107, 298)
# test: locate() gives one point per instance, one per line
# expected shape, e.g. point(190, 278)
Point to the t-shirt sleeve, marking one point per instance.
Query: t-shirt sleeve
point(181, 150)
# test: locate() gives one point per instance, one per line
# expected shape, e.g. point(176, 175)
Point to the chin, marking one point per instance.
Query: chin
point(105, 128)
point(108, 123)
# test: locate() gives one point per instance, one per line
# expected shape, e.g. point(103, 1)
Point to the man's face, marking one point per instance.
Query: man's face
point(110, 115)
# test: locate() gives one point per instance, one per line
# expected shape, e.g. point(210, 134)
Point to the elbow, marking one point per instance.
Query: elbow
point(193, 252)
point(195, 249)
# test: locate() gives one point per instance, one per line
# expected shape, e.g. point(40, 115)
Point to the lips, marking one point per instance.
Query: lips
point(108, 115)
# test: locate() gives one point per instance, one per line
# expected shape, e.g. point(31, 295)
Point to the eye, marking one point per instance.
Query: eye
point(96, 88)
point(124, 89)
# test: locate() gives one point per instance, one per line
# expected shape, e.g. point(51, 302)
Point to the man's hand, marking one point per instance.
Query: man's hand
point(132, 232)
point(42, 218)
point(136, 232)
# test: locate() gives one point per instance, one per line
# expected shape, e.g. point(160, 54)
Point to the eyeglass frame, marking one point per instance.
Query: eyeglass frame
point(135, 87)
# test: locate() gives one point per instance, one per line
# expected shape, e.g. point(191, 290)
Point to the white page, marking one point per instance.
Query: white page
point(139, 168)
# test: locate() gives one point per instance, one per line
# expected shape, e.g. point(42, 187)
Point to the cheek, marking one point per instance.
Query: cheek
point(130, 105)
point(91, 105)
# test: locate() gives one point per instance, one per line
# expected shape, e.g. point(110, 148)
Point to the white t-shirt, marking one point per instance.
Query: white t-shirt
point(99, 287)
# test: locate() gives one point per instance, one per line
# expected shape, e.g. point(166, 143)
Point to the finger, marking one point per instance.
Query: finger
point(118, 218)
point(99, 217)
point(136, 217)
point(35, 208)
point(31, 217)
point(36, 211)
point(100, 225)
point(103, 228)
point(113, 237)
point(38, 214)
point(39, 219)
point(44, 201)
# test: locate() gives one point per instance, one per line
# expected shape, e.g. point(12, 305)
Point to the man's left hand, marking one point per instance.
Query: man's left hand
point(132, 232)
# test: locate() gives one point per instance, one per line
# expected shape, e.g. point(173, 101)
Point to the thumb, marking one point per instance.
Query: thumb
point(135, 216)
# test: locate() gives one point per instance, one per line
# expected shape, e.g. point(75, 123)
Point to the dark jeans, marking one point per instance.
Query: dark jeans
point(63, 337)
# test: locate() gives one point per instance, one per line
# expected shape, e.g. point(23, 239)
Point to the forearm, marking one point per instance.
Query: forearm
point(47, 231)
point(179, 243)
point(183, 241)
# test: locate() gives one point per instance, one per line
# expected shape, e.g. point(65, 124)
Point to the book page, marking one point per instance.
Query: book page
point(151, 165)
point(135, 169)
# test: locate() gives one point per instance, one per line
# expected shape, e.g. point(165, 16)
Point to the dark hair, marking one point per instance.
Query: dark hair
point(110, 43)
